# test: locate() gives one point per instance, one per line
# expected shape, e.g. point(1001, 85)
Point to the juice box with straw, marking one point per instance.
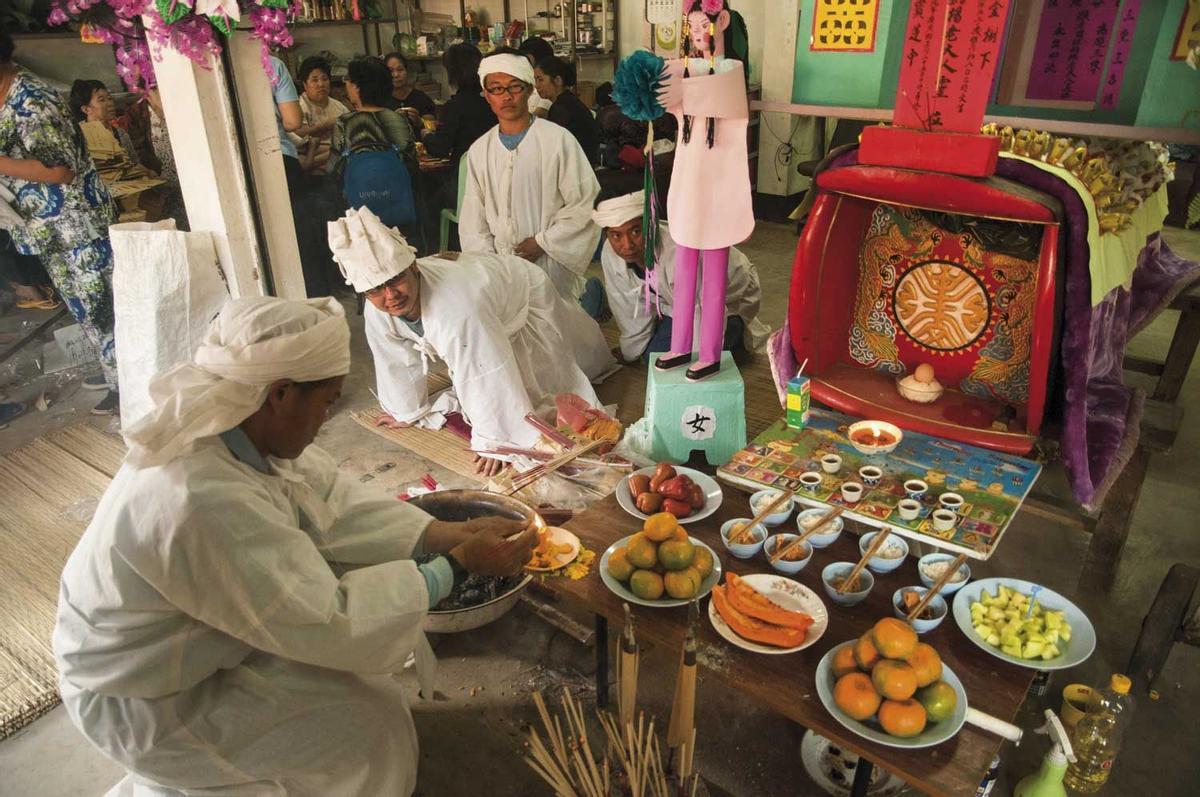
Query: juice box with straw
point(798, 400)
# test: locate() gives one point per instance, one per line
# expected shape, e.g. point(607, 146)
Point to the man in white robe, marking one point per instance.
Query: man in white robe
point(231, 617)
point(646, 329)
point(510, 342)
point(529, 188)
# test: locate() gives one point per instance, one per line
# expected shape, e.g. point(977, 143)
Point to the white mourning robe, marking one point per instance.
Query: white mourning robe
point(545, 188)
point(208, 640)
point(627, 300)
point(510, 342)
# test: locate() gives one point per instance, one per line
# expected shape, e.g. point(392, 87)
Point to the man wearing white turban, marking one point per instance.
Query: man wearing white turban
point(231, 617)
point(529, 187)
point(510, 342)
point(642, 302)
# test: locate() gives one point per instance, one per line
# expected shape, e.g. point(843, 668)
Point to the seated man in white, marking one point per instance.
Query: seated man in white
point(509, 340)
point(641, 301)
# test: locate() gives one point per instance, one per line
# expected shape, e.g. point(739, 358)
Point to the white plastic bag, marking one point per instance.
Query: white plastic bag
point(167, 287)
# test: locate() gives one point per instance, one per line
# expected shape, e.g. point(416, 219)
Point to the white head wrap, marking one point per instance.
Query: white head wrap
point(515, 65)
point(618, 210)
point(368, 252)
point(252, 343)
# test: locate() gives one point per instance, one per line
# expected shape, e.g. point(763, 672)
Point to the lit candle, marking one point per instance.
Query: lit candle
point(875, 430)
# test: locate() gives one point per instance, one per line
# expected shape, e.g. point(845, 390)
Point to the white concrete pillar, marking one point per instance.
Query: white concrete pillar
point(203, 130)
point(203, 139)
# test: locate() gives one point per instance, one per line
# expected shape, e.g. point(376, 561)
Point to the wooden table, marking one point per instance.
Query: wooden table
point(785, 684)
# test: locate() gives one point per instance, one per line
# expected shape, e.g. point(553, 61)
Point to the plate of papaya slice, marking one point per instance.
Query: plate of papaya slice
point(766, 613)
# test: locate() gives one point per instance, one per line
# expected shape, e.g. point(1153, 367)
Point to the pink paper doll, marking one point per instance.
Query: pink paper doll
point(708, 207)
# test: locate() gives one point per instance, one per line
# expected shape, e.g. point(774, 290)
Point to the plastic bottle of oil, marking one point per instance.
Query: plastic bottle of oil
point(1098, 736)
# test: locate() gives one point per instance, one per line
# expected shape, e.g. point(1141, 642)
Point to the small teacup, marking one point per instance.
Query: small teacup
point(831, 463)
point(909, 509)
point(951, 501)
point(944, 519)
point(915, 488)
point(810, 480)
point(851, 492)
point(870, 475)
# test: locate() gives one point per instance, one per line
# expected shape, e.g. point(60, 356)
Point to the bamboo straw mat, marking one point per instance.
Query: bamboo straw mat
point(45, 487)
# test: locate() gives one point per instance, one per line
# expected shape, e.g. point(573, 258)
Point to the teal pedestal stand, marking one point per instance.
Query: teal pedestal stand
point(708, 416)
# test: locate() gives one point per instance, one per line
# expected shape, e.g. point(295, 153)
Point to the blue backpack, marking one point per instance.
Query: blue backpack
point(379, 179)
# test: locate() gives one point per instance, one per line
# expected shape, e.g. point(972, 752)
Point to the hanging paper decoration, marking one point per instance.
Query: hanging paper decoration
point(846, 26)
point(190, 27)
point(636, 85)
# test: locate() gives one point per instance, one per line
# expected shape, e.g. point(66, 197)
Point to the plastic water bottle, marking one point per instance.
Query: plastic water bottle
point(1098, 736)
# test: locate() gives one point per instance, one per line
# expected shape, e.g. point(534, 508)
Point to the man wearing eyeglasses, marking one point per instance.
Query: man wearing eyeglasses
point(510, 342)
point(529, 188)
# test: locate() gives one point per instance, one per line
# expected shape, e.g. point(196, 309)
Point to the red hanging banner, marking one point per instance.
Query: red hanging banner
point(951, 49)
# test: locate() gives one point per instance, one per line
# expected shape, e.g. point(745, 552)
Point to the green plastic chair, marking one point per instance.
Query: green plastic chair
point(448, 216)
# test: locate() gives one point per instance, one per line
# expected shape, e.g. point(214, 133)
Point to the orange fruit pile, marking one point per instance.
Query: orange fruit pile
point(660, 561)
point(889, 675)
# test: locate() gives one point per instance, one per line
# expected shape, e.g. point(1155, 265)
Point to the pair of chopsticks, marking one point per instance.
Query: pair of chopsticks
point(533, 474)
point(786, 495)
point(876, 544)
point(828, 518)
point(942, 581)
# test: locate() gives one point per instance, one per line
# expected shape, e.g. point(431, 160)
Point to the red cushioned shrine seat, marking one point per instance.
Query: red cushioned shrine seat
point(896, 268)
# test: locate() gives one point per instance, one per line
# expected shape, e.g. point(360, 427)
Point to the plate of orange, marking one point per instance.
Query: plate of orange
point(854, 700)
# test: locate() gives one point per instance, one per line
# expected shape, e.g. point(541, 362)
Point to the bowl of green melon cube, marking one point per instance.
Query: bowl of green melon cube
point(1024, 623)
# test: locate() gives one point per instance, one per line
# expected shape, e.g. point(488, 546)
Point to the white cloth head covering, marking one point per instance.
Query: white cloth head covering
point(516, 65)
point(252, 343)
point(618, 210)
point(368, 252)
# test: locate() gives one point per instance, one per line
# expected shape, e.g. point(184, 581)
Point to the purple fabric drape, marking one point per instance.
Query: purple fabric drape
point(1100, 414)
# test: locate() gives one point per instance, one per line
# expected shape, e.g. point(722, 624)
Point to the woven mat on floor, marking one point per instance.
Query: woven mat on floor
point(48, 490)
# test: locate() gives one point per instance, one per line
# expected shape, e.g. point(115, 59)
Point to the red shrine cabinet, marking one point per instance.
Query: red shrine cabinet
point(896, 268)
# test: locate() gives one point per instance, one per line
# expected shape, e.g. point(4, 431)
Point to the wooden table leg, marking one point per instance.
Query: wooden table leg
point(601, 662)
point(1162, 627)
point(1179, 357)
point(1108, 539)
point(862, 778)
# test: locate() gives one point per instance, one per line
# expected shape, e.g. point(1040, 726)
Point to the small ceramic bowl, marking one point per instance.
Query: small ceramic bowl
point(827, 535)
point(883, 427)
point(916, 489)
point(909, 509)
point(841, 570)
point(743, 550)
point(883, 564)
point(787, 566)
point(851, 492)
point(944, 519)
point(762, 499)
point(870, 475)
point(951, 586)
point(951, 501)
point(937, 606)
point(831, 463)
point(810, 480)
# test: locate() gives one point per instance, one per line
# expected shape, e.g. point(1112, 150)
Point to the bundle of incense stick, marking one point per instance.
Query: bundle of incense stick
point(533, 474)
point(639, 755)
point(567, 765)
point(545, 456)
point(876, 544)
point(795, 544)
point(944, 579)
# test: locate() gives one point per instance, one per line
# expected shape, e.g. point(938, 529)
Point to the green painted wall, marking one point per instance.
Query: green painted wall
point(856, 80)
point(1156, 91)
point(1172, 90)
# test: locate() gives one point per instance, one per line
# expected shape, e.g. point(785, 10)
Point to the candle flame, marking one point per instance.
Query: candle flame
point(875, 430)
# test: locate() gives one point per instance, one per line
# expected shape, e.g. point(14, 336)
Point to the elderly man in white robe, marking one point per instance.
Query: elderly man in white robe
point(231, 618)
point(510, 342)
point(642, 303)
point(529, 187)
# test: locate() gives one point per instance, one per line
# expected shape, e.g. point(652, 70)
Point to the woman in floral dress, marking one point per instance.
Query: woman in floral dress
point(44, 164)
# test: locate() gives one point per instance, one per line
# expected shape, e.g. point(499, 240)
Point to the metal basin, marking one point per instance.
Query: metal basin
point(479, 600)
